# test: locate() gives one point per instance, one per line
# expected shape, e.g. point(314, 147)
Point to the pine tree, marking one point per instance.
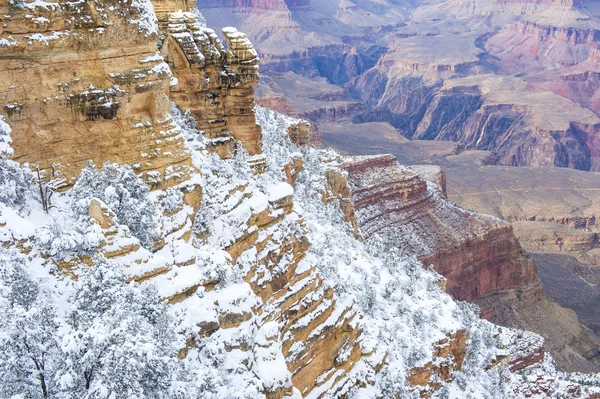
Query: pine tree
point(120, 340)
point(29, 350)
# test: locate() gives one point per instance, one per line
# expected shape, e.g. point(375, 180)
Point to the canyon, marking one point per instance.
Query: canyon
point(489, 75)
point(246, 211)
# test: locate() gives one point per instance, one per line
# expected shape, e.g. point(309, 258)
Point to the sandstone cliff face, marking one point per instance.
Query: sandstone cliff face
point(478, 255)
point(215, 84)
point(83, 81)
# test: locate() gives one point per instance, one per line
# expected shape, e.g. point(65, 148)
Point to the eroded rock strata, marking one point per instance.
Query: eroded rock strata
point(84, 81)
point(214, 83)
point(477, 254)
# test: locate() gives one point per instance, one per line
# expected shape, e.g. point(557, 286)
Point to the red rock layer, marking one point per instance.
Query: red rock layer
point(478, 255)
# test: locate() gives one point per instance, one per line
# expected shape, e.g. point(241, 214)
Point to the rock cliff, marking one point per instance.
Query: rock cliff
point(84, 81)
point(478, 255)
point(215, 84)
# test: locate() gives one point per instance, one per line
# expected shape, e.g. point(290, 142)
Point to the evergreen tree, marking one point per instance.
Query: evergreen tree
point(124, 193)
point(119, 341)
point(29, 350)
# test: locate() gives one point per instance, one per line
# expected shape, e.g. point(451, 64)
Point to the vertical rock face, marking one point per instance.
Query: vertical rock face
point(216, 84)
point(83, 81)
point(478, 255)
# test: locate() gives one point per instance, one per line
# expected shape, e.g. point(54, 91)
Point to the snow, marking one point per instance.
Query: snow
point(278, 191)
point(270, 365)
point(156, 57)
point(46, 39)
point(147, 22)
point(391, 298)
point(7, 42)
point(40, 3)
point(5, 139)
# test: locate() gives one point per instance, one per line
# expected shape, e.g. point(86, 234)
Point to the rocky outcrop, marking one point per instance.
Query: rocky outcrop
point(82, 84)
point(478, 255)
point(215, 84)
point(300, 133)
point(430, 377)
point(337, 190)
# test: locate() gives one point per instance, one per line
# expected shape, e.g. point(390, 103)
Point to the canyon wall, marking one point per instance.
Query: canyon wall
point(477, 254)
point(83, 82)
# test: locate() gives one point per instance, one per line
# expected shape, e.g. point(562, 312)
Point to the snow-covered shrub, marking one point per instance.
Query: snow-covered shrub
point(171, 200)
point(15, 182)
point(199, 17)
point(124, 193)
point(69, 234)
point(47, 183)
point(206, 374)
point(113, 340)
point(147, 21)
point(241, 166)
point(185, 120)
point(5, 140)
point(29, 350)
point(119, 340)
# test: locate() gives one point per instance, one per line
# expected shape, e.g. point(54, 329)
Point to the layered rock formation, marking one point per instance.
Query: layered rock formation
point(215, 84)
point(521, 128)
point(399, 72)
point(233, 254)
point(84, 82)
point(519, 47)
point(478, 255)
